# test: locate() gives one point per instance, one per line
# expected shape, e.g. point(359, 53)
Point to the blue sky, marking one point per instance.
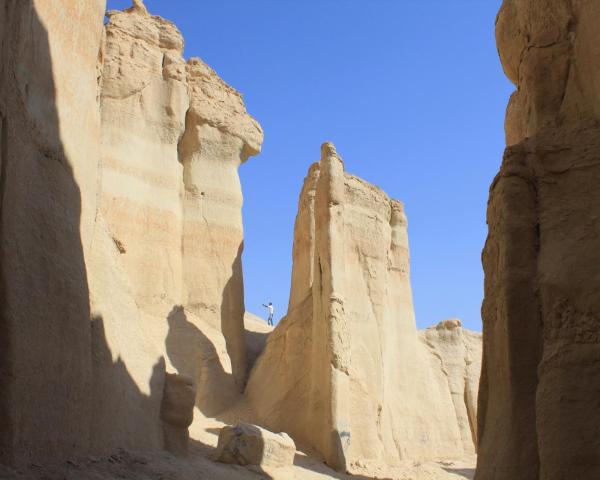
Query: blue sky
point(413, 96)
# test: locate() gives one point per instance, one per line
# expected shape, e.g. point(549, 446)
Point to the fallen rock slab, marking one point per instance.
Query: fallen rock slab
point(245, 444)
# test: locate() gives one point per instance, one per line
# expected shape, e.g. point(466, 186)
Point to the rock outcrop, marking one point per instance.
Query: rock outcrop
point(245, 444)
point(459, 352)
point(173, 136)
point(120, 226)
point(49, 143)
point(121, 292)
point(345, 372)
point(538, 415)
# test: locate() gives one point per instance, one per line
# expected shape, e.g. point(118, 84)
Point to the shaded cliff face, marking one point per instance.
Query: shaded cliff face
point(118, 168)
point(345, 371)
point(49, 137)
point(540, 383)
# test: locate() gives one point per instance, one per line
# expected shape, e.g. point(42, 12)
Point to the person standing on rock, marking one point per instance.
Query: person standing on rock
point(270, 309)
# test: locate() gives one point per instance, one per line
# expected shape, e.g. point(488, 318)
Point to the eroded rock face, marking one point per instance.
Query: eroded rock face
point(345, 372)
point(173, 137)
point(459, 353)
point(245, 444)
point(218, 138)
point(49, 137)
point(177, 412)
point(118, 167)
point(538, 412)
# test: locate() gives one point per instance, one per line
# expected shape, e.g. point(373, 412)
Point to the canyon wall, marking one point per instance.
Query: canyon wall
point(346, 372)
point(49, 143)
point(540, 382)
point(121, 230)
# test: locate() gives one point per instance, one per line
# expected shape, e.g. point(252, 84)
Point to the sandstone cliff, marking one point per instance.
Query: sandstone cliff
point(538, 415)
point(121, 228)
point(120, 260)
point(49, 142)
point(345, 372)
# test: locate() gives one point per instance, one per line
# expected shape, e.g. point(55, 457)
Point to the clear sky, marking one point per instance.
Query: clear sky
point(413, 96)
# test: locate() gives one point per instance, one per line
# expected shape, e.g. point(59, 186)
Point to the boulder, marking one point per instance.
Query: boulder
point(246, 444)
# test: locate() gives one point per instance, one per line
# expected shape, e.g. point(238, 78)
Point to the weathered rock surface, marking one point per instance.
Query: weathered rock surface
point(245, 444)
point(219, 136)
point(459, 353)
point(118, 168)
point(177, 412)
point(120, 261)
point(174, 135)
point(49, 142)
point(538, 401)
point(345, 372)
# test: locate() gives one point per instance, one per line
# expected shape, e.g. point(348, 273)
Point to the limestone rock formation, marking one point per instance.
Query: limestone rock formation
point(173, 136)
point(177, 412)
point(538, 415)
point(219, 136)
point(120, 226)
point(459, 353)
point(345, 372)
point(49, 139)
point(246, 444)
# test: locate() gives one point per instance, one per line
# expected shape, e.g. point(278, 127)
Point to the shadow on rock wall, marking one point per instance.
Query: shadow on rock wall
point(62, 396)
point(122, 415)
point(192, 353)
point(232, 321)
point(45, 358)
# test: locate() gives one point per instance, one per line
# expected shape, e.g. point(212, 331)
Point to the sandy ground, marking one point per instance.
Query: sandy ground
point(199, 466)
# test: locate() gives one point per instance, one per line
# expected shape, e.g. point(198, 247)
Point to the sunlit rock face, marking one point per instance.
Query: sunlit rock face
point(173, 137)
point(121, 228)
point(538, 414)
point(345, 372)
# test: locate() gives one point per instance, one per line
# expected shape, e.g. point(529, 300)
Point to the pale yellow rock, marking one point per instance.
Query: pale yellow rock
point(173, 136)
point(177, 412)
point(345, 371)
point(219, 137)
point(143, 118)
point(459, 353)
point(245, 444)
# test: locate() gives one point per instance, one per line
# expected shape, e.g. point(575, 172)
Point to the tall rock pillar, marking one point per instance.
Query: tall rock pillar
point(330, 331)
point(540, 384)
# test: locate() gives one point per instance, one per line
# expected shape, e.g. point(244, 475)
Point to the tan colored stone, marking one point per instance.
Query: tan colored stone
point(173, 136)
point(344, 372)
point(177, 412)
point(219, 137)
point(94, 125)
point(257, 332)
point(246, 444)
point(538, 412)
point(49, 137)
point(459, 353)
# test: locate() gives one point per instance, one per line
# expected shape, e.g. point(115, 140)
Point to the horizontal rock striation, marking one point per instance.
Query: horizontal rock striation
point(120, 226)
